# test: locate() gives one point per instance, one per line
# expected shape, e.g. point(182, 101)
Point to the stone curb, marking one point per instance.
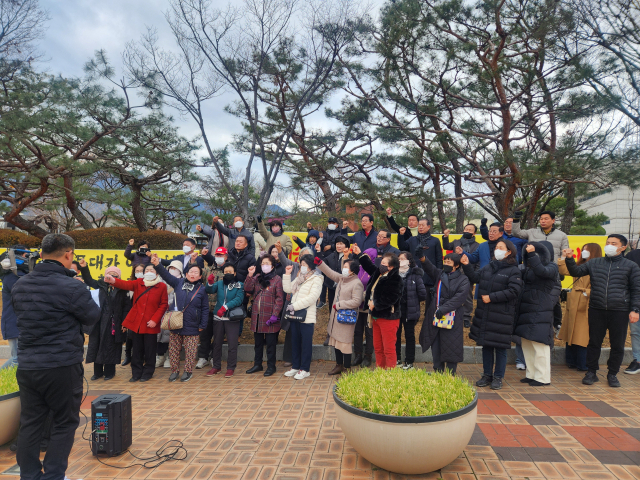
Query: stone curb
point(472, 355)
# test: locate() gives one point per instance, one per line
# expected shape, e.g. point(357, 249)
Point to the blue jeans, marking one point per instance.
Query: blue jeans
point(13, 354)
point(500, 361)
point(520, 355)
point(634, 328)
point(301, 345)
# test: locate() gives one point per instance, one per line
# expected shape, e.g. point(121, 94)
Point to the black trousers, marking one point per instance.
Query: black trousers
point(270, 340)
point(128, 344)
point(287, 352)
point(600, 321)
point(108, 370)
point(409, 335)
point(205, 350)
point(57, 390)
point(362, 328)
point(143, 355)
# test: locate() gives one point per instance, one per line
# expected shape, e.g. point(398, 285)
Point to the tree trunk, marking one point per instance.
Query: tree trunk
point(72, 205)
point(13, 216)
point(137, 210)
point(570, 209)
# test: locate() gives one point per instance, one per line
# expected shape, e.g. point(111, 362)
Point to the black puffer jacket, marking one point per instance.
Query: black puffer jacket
point(242, 261)
point(333, 261)
point(388, 291)
point(615, 282)
point(105, 347)
point(453, 294)
point(414, 292)
point(493, 322)
point(540, 292)
point(432, 251)
point(51, 307)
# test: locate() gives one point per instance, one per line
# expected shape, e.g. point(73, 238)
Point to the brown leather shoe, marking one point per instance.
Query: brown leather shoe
point(337, 370)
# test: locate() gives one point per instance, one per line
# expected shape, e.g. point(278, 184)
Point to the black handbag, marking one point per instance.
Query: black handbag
point(236, 314)
point(297, 316)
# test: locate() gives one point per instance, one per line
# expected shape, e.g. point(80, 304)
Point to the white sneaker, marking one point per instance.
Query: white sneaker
point(407, 366)
point(167, 362)
point(521, 366)
point(301, 374)
point(159, 360)
point(202, 362)
point(291, 373)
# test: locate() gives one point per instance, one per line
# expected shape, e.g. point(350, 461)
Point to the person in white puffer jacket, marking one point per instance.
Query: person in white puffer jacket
point(306, 290)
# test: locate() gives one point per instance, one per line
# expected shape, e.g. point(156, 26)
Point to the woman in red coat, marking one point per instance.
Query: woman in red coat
point(149, 305)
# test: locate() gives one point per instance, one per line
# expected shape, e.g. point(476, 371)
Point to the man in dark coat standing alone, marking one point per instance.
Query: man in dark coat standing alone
point(51, 308)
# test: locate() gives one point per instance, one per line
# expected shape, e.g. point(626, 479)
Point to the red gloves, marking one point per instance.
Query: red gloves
point(221, 311)
point(211, 278)
point(317, 261)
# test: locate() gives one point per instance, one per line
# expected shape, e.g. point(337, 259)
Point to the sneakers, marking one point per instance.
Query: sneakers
point(186, 376)
point(213, 371)
point(167, 362)
point(613, 381)
point(159, 360)
point(521, 366)
point(320, 304)
point(174, 376)
point(398, 363)
point(496, 383)
point(407, 366)
point(301, 375)
point(202, 362)
point(633, 368)
point(291, 373)
point(485, 381)
point(590, 378)
point(229, 374)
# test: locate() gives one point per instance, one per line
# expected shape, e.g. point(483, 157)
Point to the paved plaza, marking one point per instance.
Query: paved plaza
point(251, 427)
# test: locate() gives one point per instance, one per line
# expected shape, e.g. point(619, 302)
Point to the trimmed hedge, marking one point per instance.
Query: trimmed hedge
point(118, 238)
point(11, 237)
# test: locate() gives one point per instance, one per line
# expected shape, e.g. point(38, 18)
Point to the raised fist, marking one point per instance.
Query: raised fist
point(279, 246)
point(251, 270)
point(459, 250)
point(446, 233)
point(83, 263)
point(568, 252)
point(155, 260)
point(530, 248)
point(210, 279)
point(356, 249)
point(109, 279)
point(288, 269)
point(402, 230)
point(294, 238)
point(259, 218)
point(309, 226)
point(204, 251)
point(131, 242)
point(199, 228)
point(464, 260)
point(321, 234)
point(215, 220)
point(345, 224)
point(389, 211)
point(519, 214)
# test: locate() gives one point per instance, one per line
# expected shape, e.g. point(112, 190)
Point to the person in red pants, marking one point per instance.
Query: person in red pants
point(383, 296)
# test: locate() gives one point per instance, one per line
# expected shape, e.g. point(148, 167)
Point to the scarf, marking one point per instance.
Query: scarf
point(188, 286)
point(264, 278)
point(423, 238)
point(403, 270)
point(300, 279)
point(151, 283)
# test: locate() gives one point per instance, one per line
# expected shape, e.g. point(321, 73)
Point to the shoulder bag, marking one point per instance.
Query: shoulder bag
point(347, 316)
point(299, 315)
point(236, 314)
point(447, 320)
point(172, 319)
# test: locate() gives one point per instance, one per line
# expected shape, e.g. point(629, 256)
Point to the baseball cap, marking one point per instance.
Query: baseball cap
point(332, 220)
point(221, 251)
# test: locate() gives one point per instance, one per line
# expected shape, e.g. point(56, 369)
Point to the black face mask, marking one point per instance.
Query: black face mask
point(143, 251)
point(228, 278)
point(467, 235)
point(383, 269)
point(447, 268)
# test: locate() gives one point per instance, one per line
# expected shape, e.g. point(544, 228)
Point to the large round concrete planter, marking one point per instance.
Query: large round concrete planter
point(407, 445)
point(9, 416)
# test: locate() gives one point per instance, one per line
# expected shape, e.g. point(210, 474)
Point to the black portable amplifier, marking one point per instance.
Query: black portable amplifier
point(111, 424)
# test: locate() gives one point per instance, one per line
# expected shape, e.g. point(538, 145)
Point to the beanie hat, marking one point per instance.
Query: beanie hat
point(113, 271)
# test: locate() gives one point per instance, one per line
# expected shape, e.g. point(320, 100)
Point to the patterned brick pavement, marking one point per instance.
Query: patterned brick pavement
point(252, 427)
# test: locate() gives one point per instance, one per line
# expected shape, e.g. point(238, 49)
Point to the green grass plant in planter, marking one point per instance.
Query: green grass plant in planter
point(406, 421)
point(9, 405)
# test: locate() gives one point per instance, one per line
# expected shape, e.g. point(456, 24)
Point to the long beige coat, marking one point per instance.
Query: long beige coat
point(349, 294)
point(575, 324)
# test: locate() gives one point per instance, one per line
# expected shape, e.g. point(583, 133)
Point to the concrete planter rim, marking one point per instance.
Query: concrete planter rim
point(397, 419)
point(9, 395)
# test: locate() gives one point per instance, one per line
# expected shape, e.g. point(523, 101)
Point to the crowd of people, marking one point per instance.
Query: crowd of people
point(198, 301)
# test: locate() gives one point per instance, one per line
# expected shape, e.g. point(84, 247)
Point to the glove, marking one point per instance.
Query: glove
point(334, 307)
point(484, 221)
point(518, 216)
point(259, 217)
point(211, 278)
point(290, 309)
point(317, 261)
point(221, 311)
point(439, 314)
point(273, 320)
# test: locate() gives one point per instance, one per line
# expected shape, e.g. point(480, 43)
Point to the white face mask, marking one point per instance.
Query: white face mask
point(404, 263)
point(219, 260)
point(610, 250)
point(500, 254)
point(345, 272)
point(331, 226)
point(139, 275)
point(585, 254)
point(304, 270)
point(6, 263)
point(175, 272)
point(238, 224)
point(266, 268)
point(150, 276)
point(186, 249)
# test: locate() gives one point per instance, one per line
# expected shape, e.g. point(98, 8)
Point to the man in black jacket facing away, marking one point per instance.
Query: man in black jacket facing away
point(51, 307)
point(615, 301)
